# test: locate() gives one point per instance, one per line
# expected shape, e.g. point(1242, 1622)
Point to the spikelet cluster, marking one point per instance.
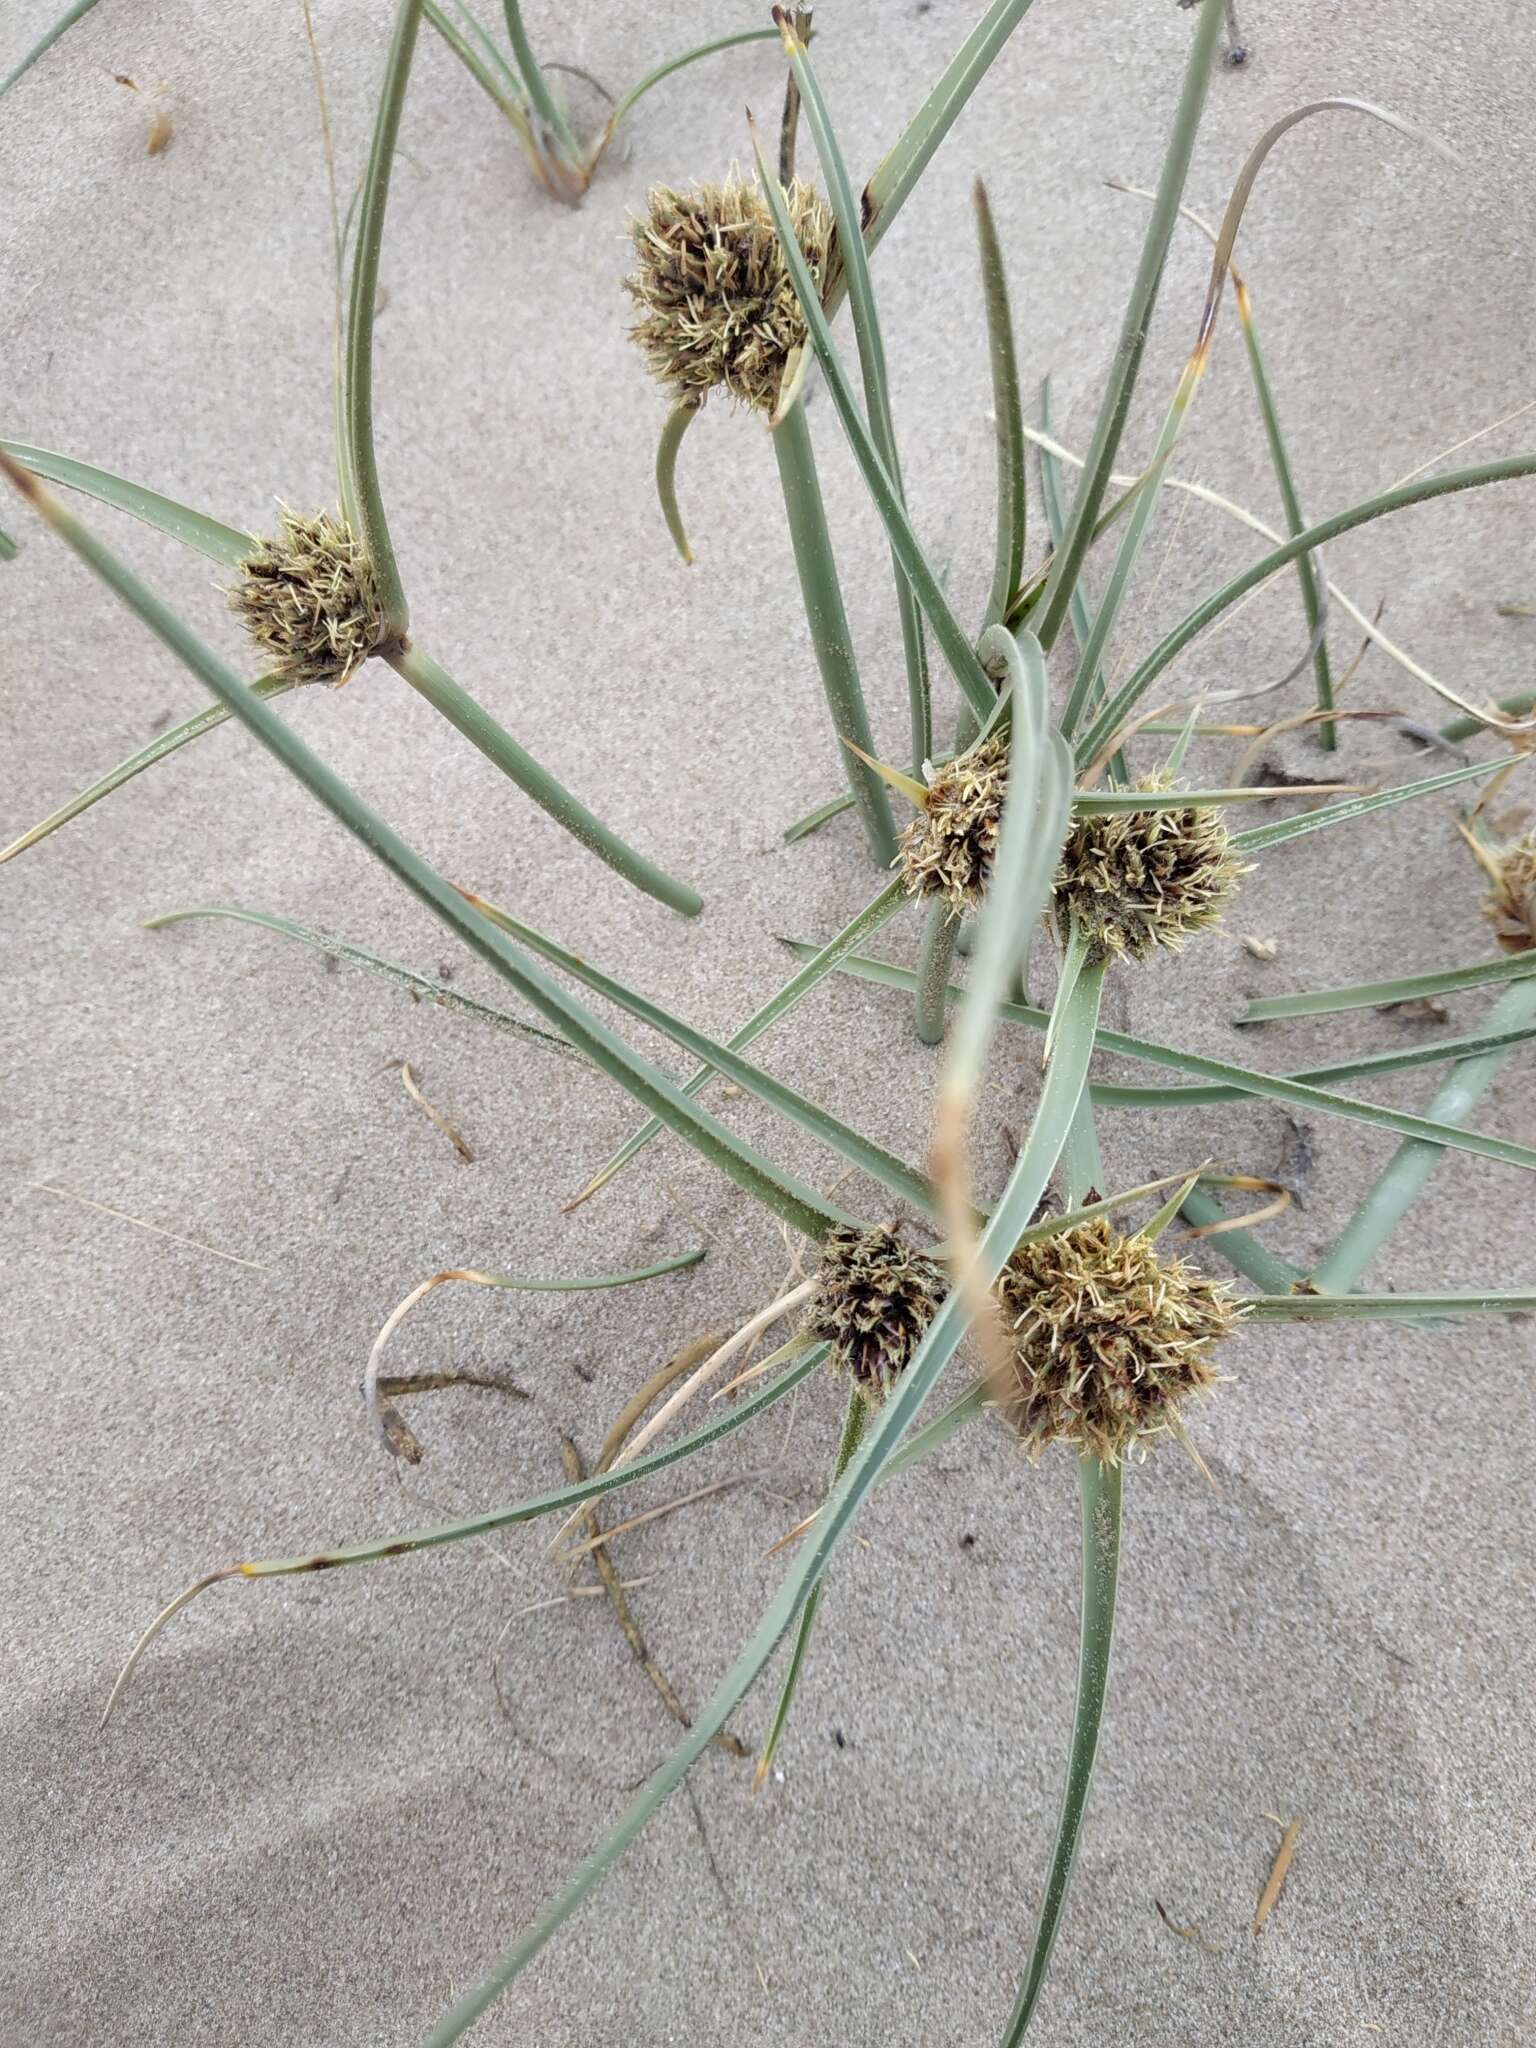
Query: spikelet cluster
point(308, 600)
point(946, 853)
point(718, 310)
point(874, 1299)
point(1107, 1340)
point(1135, 881)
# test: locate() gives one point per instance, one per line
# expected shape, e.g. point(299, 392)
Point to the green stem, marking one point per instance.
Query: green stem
point(362, 458)
point(1469, 728)
point(828, 622)
point(940, 933)
point(872, 370)
point(1125, 699)
point(477, 725)
point(545, 105)
point(1100, 1491)
point(1100, 460)
point(1415, 1160)
point(501, 89)
point(46, 41)
point(1306, 569)
point(853, 1431)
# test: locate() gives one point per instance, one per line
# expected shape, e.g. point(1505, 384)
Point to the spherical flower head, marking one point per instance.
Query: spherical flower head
point(946, 853)
point(717, 306)
point(308, 600)
point(874, 1299)
point(1511, 904)
point(1137, 880)
point(1107, 1340)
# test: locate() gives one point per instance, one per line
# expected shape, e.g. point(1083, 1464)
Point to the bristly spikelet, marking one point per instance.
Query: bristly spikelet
point(1511, 904)
point(308, 600)
point(718, 308)
point(874, 1299)
point(948, 849)
point(1107, 1340)
point(1137, 880)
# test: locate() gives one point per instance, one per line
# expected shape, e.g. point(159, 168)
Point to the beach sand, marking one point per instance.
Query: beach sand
point(315, 1820)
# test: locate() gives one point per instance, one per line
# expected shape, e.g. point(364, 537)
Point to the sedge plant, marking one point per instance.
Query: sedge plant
point(1052, 823)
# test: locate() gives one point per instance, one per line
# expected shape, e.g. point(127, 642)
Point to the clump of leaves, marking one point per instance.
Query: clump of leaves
point(1135, 881)
point(1108, 1340)
point(874, 1299)
point(309, 601)
point(718, 309)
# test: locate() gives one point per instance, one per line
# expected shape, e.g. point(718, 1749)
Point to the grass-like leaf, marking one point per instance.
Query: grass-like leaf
point(893, 180)
point(825, 615)
point(1389, 1308)
point(1067, 560)
point(956, 648)
point(1007, 415)
point(679, 420)
point(819, 964)
point(46, 41)
point(637, 92)
point(377, 1550)
point(852, 1146)
point(871, 347)
point(1244, 1080)
point(1433, 1052)
point(210, 537)
point(1376, 995)
point(1410, 1167)
point(853, 1430)
point(361, 456)
point(1173, 425)
point(814, 820)
point(1119, 708)
point(164, 743)
point(1260, 838)
point(1100, 1490)
point(422, 986)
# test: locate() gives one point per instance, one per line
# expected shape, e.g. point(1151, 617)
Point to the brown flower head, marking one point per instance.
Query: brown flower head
point(874, 1299)
point(716, 302)
point(308, 600)
point(1107, 1340)
point(1137, 880)
point(947, 850)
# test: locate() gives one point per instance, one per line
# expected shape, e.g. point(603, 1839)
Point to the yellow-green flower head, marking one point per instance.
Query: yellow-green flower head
point(947, 851)
point(308, 600)
point(1511, 904)
point(1107, 1340)
point(718, 310)
point(1137, 880)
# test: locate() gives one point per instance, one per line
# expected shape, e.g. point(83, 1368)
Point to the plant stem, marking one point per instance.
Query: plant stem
point(1415, 1159)
point(1110, 424)
point(362, 460)
point(940, 933)
point(545, 105)
point(853, 1432)
point(1306, 569)
point(679, 420)
point(1100, 1491)
point(477, 725)
point(823, 599)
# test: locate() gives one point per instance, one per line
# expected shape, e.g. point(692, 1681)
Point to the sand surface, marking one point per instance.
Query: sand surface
point(314, 1822)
